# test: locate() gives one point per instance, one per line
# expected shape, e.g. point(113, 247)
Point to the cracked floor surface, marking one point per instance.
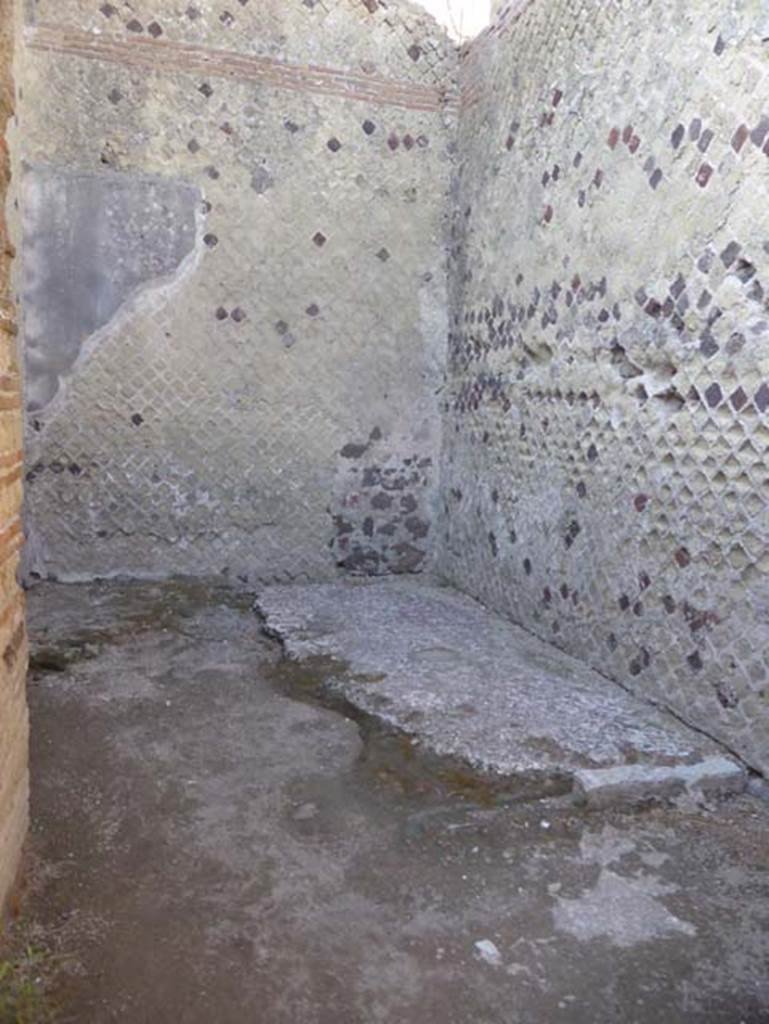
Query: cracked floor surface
point(210, 844)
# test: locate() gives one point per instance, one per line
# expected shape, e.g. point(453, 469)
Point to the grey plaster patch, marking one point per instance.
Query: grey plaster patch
point(468, 685)
point(625, 911)
point(91, 241)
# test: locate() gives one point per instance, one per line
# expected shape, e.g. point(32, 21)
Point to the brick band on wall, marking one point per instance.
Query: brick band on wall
point(164, 56)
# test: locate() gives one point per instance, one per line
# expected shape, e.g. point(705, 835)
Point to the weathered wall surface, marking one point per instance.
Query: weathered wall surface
point(13, 645)
point(607, 428)
point(234, 285)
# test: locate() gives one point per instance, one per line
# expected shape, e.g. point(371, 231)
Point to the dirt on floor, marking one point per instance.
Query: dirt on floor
point(212, 845)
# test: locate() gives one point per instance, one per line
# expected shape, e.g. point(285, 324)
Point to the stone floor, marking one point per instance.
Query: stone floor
point(211, 844)
point(462, 683)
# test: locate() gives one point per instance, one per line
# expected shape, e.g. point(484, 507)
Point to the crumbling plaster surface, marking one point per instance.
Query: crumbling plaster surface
point(605, 479)
point(266, 405)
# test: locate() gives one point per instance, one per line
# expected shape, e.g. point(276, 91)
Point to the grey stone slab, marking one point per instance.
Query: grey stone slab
point(635, 783)
point(468, 685)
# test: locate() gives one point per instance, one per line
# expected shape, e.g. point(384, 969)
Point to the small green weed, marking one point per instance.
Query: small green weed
point(22, 988)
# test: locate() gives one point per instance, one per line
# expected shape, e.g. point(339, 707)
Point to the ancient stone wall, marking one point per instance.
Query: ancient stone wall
point(606, 471)
point(235, 291)
point(234, 285)
point(13, 646)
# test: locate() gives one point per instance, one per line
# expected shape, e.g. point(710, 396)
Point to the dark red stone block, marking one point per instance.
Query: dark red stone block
point(682, 557)
point(704, 175)
point(738, 399)
point(740, 137)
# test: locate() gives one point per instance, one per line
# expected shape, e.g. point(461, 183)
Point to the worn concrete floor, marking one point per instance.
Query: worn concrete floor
point(211, 845)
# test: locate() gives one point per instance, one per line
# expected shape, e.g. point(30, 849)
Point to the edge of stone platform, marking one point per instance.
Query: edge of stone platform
point(631, 786)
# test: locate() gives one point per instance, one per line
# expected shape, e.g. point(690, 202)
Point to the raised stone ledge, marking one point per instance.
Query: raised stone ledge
point(636, 784)
point(466, 685)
